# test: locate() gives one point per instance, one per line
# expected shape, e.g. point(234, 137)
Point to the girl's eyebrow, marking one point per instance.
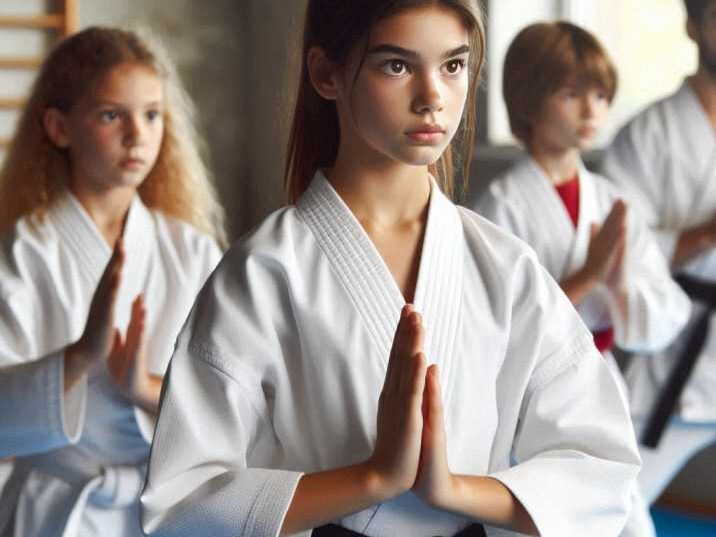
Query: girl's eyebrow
point(108, 102)
point(407, 53)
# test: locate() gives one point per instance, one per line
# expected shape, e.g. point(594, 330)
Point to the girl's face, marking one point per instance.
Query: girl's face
point(571, 117)
point(114, 132)
point(408, 99)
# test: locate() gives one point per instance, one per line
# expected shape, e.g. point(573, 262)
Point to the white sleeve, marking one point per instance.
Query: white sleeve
point(215, 421)
point(575, 450)
point(657, 309)
point(198, 481)
point(36, 415)
point(635, 162)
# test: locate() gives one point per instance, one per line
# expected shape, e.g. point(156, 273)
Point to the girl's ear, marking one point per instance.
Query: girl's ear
point(56, 127)
point(323, 73)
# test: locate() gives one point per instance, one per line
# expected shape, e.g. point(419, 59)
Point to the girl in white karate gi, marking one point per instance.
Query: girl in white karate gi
point(108, 228)
point(558, 85)
point(305, 393)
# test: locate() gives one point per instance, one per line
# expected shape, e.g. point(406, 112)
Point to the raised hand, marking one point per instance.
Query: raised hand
point(434, 484)
point(96, 340)
point(616, 278)
point(606, 247)
point(127, 363)
point(400, 421)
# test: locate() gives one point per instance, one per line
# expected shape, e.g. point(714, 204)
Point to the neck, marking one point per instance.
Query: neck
point(703, 83)
point(381, 190)
point(107, 208)
point(560, 165)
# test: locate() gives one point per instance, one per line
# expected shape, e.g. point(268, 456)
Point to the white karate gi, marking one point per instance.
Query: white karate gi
point(280, 366)
point(664, 159)
point(49, 271)
point(525, 202)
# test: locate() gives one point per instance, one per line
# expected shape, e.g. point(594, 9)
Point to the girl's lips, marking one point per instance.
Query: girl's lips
point(132, 163)
point(425, 136)
point(587, 132)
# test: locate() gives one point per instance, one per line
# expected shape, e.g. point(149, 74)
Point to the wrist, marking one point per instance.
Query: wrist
point(378, 485)
point(448, 496)
point(75, 364)
point(588, 276)
point(76, 355)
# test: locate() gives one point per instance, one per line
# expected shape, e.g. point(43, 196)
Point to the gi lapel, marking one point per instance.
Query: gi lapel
point(549, 216)
point(139, 236)
point(588, 215)
point(368, 280)
point(357, 263)
point(80, 236)
point(440, 283)
point(698, 131)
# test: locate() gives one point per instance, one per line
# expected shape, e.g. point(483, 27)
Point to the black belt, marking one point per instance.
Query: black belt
point(333, 530)
point(700, 291)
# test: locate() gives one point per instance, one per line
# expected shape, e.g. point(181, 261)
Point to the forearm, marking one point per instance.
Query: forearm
point(578, 285)
point(325, 496)
point(77, 363)
point(693, 242)
point(489, 501)
point(147, 396)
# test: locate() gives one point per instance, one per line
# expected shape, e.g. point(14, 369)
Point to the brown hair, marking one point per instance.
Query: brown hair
point(695, 9)
point(35, 171)
point(539, 61)
point(337, 26)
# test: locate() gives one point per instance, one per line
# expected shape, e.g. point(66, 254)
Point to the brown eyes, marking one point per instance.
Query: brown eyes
point(397, 67)
point(454, 67)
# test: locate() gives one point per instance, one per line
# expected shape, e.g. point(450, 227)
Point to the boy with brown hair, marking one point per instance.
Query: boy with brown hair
point(558, 85)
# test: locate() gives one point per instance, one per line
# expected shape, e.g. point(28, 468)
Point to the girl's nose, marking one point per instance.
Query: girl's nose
point(428, 98)
point(132, 132)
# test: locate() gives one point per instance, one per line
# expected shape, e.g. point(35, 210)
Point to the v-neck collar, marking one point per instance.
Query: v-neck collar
point(688, 99)
point(575, 238)
point(85, 241)
point(368, 280)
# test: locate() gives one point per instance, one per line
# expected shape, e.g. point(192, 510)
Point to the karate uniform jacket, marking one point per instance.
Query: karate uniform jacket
point(525, 202)
point(49, 270)
point(279, 370)
point(664, 160)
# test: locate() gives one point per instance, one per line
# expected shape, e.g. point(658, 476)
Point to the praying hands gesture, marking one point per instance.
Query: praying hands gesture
point(400, 419)
point(96, 340)
point(476, 497)
point(605, 258)
point(126, 359)
point(127, 362)
point(410, 453)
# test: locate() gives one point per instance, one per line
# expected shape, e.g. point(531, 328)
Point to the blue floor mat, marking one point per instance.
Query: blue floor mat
point(675, 524)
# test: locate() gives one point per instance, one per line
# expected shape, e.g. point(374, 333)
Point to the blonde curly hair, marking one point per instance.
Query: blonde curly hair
point(35, 170)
